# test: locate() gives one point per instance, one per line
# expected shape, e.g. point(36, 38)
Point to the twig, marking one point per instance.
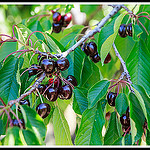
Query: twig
point(125, 72)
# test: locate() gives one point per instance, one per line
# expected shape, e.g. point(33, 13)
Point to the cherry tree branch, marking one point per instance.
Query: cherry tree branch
point(125, 72)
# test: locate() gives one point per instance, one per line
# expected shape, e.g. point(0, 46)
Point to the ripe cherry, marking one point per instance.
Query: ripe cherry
point(65, 92)
point(67, 19)
point(72, 80)
point(96, 58)
point(48, 65)
point(122, 30)
point(41, 88)
point(129, 29)
point(16, 123)
point(34, 70)
point(57, 27)
point(56, 17)
point(92, 48)
point(107, 59)
point(51, 94)
point(84, 49)
point(43, 110)
point(23, 102)
point(111, 97)
point(124, 120)
point(62, 64)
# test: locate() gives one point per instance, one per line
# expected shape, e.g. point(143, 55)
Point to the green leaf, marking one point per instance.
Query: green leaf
point(12, 137)
point(144, 101)
point(148, 137)
point(121, 104)
point(90, 131)
point(34, 122)
point(6, 48)
point(138, 65)
point(61, 128)
point(9, 86)
point(106, 46)
point(137, 115)
point(1, 127)
point(112, 132)
point(80, 101)
point(136, 31)
point(97, 92)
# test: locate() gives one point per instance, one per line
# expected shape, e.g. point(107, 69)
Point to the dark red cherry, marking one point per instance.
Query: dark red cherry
point(96, 58)
point(124, 120)
point(84, 49)
point(122, 30)
point(62, 64)
point(41, 88)
point(107, 59)
point(67, 19)
point(16, 123)
point(43, 110)
point(34, 70)
point(51, 94)
point(129, 29)
point(111, 97)
point(48, 65)
point(57, 27)
point(72, 80)
point(23, 102)
point(65, 92)
point(92, 48)
point(56, 17)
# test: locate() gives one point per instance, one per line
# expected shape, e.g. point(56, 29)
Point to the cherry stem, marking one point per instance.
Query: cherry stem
point(31, 34)
point(142, 26)
point(47, 88)
point(9, 118)
point(126, 131)
point(144, 16)
point(142, 13)
point(16, 52)
point(118, 89)
point(13, 30)
point(43, 15)
point(8, 40)
point(6, 35)
point(39, 95)
point(29, 69)
point(2, 101)
point(36, 42)
point(16, 118)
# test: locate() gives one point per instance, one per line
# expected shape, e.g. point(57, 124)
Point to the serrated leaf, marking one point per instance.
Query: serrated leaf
point(80, 101)
point(90, 131)
point(97, 92)
point(112, 132)
point(138, 65)
point(34, 122)
point(136, 31)
point(6, 48)
point(106, 46)
point(137, 115)
point(61, 128)
point(144, 101)
point(9, 87)
point(148, 137)
point(121, 104)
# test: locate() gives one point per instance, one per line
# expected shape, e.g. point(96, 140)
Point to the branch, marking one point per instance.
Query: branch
point(33, 88)
point(125, 71)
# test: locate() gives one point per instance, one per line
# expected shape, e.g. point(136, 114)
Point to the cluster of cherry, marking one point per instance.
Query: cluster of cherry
point(90, 49)
point(60, 21)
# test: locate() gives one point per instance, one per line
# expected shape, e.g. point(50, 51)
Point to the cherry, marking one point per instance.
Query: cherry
point(43, 110)
point(51, 94)
point(41, 88)
point(107, 59)
point(56, 17)
point(111, 97)
point(92, 48)
point(34, 70)
point(67, 19)
point(65, 92)
point(62, 64)
point(124, 120)
point(23, 102)
point(96, 58)
point(48, 65)
point(57, 27)
point(72, 80)
point(84, 49)
point(122, 30)
point(16, 123)
point(129, 29)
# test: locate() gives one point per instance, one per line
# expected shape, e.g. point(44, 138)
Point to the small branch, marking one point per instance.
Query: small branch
point(125, 72)
point(33, 88)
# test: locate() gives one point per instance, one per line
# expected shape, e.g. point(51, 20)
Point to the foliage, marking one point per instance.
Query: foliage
point(95, 80)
